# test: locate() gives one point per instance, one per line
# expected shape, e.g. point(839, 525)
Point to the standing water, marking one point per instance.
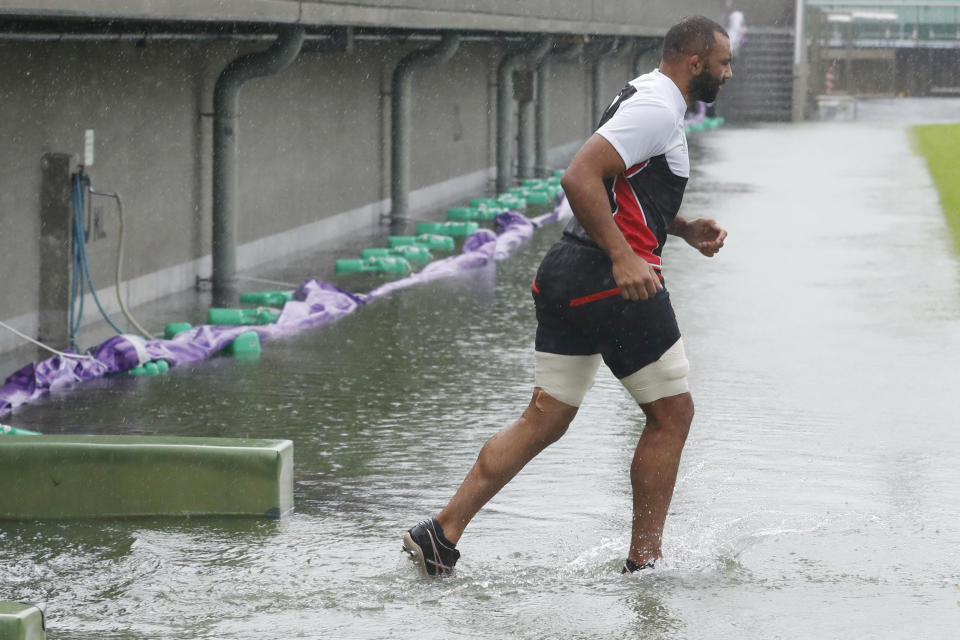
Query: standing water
point(818, 493)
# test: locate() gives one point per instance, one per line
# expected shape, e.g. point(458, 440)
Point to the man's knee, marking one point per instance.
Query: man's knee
point(548, 416)
point(675, 412)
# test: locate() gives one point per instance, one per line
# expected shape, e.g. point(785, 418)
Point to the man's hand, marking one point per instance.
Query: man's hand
point(704, 235)
point(635, 277)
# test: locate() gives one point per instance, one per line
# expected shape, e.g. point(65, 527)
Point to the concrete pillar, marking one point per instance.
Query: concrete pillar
point(56, 255)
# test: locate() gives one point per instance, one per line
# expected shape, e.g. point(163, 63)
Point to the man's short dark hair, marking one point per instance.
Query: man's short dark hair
point(692, 35)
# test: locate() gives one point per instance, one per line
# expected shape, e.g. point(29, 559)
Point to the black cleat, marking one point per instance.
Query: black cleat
point(429, 549)
point(629, 566)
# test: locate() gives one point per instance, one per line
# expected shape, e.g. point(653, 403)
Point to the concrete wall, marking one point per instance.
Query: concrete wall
point(313, 141)
point(627, 17)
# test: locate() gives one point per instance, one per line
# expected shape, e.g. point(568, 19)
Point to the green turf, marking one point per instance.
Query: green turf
point(940, 145)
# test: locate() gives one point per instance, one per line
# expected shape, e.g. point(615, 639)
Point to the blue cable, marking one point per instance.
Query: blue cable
point(81, 267)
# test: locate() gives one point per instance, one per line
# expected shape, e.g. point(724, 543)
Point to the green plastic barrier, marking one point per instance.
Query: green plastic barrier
point(234, 317)
point(447, 228)
point(175, 328)
point(6, 430)
point(88, 476)
point(428, 240)
point(19, 621)
point(373, 265)
point(267, 298)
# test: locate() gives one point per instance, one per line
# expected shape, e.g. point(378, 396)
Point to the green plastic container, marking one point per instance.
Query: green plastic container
point(538, 197)
point(374, 265)
point(512, 202)
point(6, 430)
point(447, 228)
point(267, 298)
point(412, 253)
point(462, 213)
point(428, 240)
point(532, 182)
point(246, 344)
point(481, 202)
point(485, 213)
point(162, 366)
point(236, 317)
point(554, 180)
point(173, 329)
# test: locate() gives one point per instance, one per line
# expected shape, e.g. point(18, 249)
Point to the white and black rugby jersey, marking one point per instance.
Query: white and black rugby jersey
point(645, 125)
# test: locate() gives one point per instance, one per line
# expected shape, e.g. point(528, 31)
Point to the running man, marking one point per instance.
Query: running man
point(599, 295)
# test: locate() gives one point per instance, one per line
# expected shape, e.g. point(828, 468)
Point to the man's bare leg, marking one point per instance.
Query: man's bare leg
point(654, 472)
point(543, 422)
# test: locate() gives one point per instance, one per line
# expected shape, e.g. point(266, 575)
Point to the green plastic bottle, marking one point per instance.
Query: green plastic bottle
point(267, 298)
point(374, 264)
point(173, 329)
point(447, 228)
point(428, 240)
point(463, 213)
point(246, 344)
point(234, 317)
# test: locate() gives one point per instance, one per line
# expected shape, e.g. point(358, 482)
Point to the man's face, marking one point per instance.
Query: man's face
point(716, 70)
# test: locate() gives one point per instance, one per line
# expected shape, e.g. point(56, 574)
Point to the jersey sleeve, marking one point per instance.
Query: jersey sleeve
point(639, 130)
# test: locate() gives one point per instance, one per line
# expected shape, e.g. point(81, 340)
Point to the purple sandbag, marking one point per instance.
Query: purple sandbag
point(314, 303)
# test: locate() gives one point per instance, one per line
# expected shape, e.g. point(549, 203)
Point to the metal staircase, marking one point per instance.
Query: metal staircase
point(761, 89)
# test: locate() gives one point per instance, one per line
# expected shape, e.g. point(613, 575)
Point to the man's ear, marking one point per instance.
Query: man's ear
point(695, 63)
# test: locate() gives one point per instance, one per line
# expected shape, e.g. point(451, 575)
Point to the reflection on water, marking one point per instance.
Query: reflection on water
point(819, 483)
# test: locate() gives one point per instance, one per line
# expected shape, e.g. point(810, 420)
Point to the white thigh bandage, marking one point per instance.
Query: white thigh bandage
point(661, 379)
point(566, 378)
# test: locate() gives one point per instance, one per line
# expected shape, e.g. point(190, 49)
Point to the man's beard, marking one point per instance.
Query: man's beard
point(704, 86)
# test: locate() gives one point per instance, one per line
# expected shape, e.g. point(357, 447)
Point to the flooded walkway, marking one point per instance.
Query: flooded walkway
point(818, 495)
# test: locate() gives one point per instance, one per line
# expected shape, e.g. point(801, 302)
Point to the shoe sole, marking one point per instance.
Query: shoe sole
point(416, 554)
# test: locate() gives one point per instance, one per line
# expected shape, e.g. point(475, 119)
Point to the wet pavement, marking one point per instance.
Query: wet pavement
point(818, 494)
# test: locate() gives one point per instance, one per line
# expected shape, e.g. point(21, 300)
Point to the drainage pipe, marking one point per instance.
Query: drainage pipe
point(597, 97)
point(570, 53)
point(644, 47)
point(225, 99)
point(527, 122)
point(400, 102)
point(534, 51)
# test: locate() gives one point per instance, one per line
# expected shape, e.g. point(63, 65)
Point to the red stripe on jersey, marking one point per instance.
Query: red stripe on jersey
point(632, 222)
point(534, 283)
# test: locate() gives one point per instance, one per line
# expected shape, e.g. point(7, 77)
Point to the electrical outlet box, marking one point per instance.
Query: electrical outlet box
point(88, 148)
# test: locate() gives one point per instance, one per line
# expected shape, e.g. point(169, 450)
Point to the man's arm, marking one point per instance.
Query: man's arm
point(583, 183)
point(703, 234)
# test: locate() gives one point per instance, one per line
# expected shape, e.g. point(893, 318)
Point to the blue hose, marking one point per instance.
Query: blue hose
point(81, 267)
